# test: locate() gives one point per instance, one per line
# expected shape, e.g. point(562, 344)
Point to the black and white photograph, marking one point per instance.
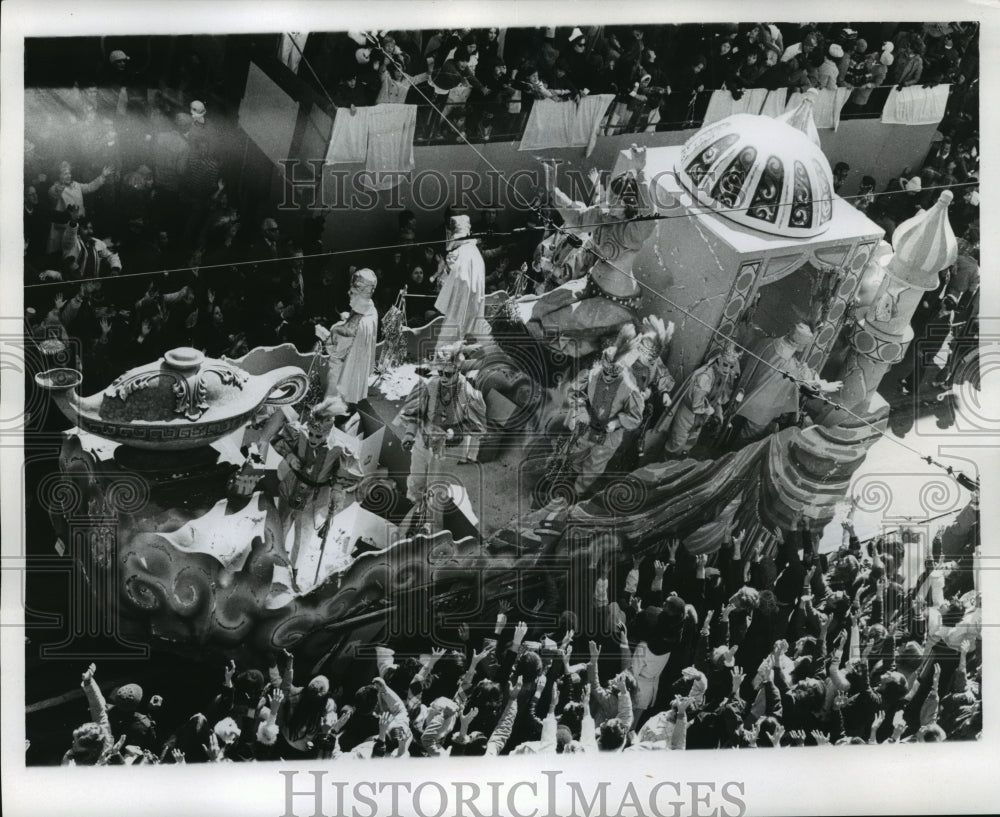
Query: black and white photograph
point(393, 390)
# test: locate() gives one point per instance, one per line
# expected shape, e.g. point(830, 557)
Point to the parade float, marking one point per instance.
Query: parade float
point(183, 537)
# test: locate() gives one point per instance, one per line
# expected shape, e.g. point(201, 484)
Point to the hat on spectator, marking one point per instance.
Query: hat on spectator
point(269, 224)
point(118, 56)
point(127, 697)
point(836, 51)
point(914, 185)
point(575, 35)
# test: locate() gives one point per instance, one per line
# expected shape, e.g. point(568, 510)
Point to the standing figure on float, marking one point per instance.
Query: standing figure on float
point(574, 317)
point(702, 396)
point(462, 299)
point(351, 345)
point(769, 388)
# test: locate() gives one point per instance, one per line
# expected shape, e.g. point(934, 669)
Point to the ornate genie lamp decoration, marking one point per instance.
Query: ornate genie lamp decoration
point(182, 401)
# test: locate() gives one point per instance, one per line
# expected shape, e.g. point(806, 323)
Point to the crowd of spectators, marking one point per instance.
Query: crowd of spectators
point(754, 650)
point(486, 80)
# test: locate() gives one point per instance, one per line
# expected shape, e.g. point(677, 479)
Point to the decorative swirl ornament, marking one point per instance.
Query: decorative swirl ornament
point(764, 204)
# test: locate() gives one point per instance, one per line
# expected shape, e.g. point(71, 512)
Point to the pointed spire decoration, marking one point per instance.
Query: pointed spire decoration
point(925, 244)
point(801, 116)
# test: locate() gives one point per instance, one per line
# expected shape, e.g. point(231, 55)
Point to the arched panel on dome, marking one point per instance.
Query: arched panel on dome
point(706, 160)
point(728, 189)
point(802, 197)
point(764, 205)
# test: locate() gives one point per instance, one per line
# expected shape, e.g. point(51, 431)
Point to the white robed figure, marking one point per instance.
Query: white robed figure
point(351, 343)
point(463, 294)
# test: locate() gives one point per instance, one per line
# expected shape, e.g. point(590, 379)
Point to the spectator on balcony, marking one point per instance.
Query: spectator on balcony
point(828, 71)
point(350, 94)
point(454, 82)
point(846, 38)
point(470, 43)
point(722, 66)
point(693, 79)
point(877, 68)
point(755, 38)
point(775, 73)
point(488, 51)
point(943, 61)
point(485, 127)
point(561, 84)
point(547, 54)
point(576, 58)
point(750, 69)
point(803, 48)
point(530, 84)
point(396, 83)
point(494, 93)
point(796, 76)
point(909, 66)
point(857, 64)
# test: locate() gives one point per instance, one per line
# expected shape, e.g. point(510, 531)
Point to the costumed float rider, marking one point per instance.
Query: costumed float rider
point(642, 354)
point(604, 403)
point(702, 396)
point(565, 255)
point(444, 411)
point(317, 476)
point(574, 317)
point(462, 299)
point(766, 396)
point(351, 345)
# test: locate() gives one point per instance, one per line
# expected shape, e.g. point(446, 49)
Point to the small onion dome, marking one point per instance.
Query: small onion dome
point(761, 173)
point(801, 116)
point(925, 244)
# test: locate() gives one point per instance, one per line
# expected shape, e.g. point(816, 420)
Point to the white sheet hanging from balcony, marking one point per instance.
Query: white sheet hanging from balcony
point(826, 108)
point(391, 128)
point(753, 100)
point(378, 136)
point(349, 140)
point(290, 48)
point(565, 124)
point(915, 106)
point(722, 104)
